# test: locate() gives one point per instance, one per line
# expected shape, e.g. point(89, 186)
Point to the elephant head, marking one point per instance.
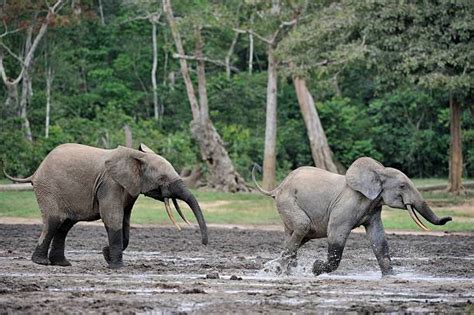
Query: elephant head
point(145, 172)
point(396, 190)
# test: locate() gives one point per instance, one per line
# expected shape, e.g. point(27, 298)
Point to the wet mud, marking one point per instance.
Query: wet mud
point(168, 271)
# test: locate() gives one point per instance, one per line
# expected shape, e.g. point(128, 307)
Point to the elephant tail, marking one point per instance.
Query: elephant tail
point(263, 191)
point(18, 180)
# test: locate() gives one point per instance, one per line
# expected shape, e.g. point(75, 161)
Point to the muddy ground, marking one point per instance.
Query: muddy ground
point(166, 273)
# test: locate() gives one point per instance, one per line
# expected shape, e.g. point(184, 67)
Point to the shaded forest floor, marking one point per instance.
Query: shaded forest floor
point(170, 271)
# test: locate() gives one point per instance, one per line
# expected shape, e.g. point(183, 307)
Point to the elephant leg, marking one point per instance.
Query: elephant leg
point(112, 216)
point(126, 227)
point(337, 237)
point(125, 230)
point(113, 253)
point(376, 235)
point(300, 226)
point(56, 254)
point(50, 227)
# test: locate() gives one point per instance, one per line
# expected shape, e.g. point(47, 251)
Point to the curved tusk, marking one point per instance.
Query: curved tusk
point(170, 215)
point(415, 218)
point(175, 203)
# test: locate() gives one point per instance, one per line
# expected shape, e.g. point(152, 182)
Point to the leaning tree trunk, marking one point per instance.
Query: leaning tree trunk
point(269, 156)
point(224, 177)
point(322, 155)
point(156, 109)
point(49, 82)
point(128, 136)
point(23, 105)
point(455, 152)
point(12, 101)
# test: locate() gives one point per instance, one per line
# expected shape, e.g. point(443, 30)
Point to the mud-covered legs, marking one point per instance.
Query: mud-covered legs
point(378, 242)
point(56, 254)
point(336, 241)
point(40, 255)
point(296, 230)
point(118, 240)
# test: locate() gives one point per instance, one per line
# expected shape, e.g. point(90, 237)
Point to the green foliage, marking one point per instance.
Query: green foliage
point(381, 74)
point(348, 128)
point(407, 129)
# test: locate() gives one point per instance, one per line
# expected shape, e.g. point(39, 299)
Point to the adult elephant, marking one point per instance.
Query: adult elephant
point(81, 183)
point(314, 203)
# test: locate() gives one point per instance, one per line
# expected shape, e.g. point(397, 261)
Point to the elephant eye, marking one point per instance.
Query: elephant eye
point(402, 186)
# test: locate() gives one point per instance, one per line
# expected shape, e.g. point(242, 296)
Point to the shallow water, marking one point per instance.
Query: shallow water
point(435, 274)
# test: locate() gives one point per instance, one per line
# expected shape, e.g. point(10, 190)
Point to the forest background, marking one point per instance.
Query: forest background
point(390, 79)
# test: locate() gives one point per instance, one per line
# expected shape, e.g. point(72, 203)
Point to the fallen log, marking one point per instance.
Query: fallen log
point(466, 184)
point(16, 187)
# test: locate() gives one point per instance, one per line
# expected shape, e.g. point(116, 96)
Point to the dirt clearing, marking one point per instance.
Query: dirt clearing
point(170, 271)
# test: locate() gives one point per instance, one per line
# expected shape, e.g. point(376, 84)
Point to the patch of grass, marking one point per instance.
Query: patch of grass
point(247, 209)
point(397, 219)
point(429, 181)
point(19, 204)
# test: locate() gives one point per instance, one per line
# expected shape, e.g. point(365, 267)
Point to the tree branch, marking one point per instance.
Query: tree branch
point(11, 53)
point(41, 32)
point(9, 32)
point(194, 58)
point(263, 39)
point(229, 54)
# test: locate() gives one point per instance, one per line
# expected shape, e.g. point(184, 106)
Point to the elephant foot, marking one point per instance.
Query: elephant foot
point(319, 267)
point(116, 265)
point(40, 260)
point(106, 253)
point(59, 261)
point(388, 273)
point(112, 264)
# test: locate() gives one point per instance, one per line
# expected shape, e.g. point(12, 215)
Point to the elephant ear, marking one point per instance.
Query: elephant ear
point(145, 149)
point(364, 176)
point(124, 167)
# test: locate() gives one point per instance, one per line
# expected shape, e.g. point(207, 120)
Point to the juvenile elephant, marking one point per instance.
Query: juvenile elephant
point(314, 203)
point(81, 183)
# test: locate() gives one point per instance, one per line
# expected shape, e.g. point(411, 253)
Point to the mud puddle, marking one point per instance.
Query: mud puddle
point(169, 271)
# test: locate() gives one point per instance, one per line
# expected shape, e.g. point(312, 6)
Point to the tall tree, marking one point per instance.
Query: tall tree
point(33, 37)
point(320, 151)
point(274, 25)
point(319, 46)
point(224, 177)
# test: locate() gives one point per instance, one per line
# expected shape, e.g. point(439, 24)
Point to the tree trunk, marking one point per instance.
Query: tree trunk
point(11, 103)
point(25, 85)
point(202, 90)
point(229, 55)
point(322, 155)
point(250, 53)
point(153, 73)
point(101, 12)
point(26, 67)
point(269, 158)
point(224, 177)
point(182, 62)
point(128, 136)
point(49, 82)
point(455, 156)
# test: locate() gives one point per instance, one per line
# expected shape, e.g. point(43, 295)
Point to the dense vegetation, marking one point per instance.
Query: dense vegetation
point(102, 81)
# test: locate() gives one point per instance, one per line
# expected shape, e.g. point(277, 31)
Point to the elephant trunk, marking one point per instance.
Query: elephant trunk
point(429, 215)
point(180, 191)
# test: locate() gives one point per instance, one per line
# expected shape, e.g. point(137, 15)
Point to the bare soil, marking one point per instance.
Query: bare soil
point(171, 272)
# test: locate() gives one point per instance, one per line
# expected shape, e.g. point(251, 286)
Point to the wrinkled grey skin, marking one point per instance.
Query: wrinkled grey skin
point(314, 203)
point(82, 183)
